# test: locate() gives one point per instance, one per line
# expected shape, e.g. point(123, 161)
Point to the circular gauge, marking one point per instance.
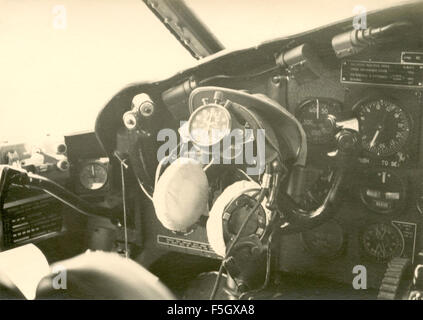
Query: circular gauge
point(93, 176)
point(384, 126)
point(317, 116)
point(383, 192)
point(382, 242)
point(209, 124)
point(326, 241)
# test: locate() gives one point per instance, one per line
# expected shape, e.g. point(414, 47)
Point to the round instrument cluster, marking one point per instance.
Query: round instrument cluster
point(209, 124)
point(382, 242)
point(385, 126)
point(317, 117)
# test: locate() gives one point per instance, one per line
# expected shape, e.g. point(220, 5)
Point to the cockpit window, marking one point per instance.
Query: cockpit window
point(241, 23)
point(61, 61)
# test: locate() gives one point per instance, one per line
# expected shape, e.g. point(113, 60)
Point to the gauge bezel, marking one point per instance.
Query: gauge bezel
point(302, 105)
point(209, 105)
point(401, 202)
point(369, 98)
point(90, 163)
point(369, 255)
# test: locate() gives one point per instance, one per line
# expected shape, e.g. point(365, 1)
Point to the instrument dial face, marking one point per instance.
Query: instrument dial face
point(382, 242)
point(317, 116)
point(93, 176)
point(209, 124)
point(384, 126)
point(383, 192)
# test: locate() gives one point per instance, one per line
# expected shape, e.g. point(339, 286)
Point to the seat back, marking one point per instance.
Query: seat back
point(101, 275)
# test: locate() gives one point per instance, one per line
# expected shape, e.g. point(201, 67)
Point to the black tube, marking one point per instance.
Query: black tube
point(261, 196)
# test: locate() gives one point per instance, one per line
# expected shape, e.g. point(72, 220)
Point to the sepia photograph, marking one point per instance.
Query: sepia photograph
point(191, 151)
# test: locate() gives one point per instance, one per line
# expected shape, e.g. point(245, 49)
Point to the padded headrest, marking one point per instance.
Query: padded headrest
point(101, 275)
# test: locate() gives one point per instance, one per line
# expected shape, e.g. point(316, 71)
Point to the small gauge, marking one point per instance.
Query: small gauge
point(209, 124)
point(326, 241)
point(93, 176)
point(383, 192)
point(317, 116)
point(382, 242)
point(385, 126)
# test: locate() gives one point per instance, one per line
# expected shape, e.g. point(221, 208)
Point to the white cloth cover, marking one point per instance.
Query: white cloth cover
point(181, 195)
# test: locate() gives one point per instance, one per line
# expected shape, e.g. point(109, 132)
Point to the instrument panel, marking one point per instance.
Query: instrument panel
point(380, 215)
point(387, 127)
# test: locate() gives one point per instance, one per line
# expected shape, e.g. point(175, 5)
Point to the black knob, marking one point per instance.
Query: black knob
point(346, 140)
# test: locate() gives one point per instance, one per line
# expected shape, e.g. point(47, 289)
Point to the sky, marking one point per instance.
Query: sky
point(62, 60)
point(55, 79)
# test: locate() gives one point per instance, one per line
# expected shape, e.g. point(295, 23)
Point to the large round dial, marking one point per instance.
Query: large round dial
point(317, 116)
point(93, 176)
point(209, 124)
point(382, 242)
point(384, 126)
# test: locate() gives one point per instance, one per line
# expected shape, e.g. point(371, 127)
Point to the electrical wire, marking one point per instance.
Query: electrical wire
point(261, 196)
point(267, 276)
point(208, 165)
point(125, 229)
point(144, 190)
point(157, 175)
point(245, 175)
point(161, 162)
